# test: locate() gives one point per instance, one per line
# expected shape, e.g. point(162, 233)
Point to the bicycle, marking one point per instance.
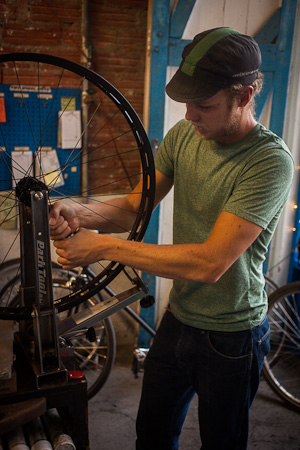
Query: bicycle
point(282, 365)
point(41, 90)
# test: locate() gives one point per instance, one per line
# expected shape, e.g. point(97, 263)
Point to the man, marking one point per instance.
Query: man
point(231, 179)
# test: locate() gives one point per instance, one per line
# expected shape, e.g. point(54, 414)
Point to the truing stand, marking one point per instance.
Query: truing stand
point(38, 336)
point(41, 366)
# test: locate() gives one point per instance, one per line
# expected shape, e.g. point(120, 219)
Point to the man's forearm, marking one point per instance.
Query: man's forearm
point(115, 216)
point(189, 262)
point(181, 262)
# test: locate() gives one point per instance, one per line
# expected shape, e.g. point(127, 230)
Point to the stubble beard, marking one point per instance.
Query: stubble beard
point(228, 130)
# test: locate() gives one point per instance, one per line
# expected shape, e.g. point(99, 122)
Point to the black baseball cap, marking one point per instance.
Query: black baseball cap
point(215, 59)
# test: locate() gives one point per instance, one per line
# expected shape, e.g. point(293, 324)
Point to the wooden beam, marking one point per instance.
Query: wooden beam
point(283, 65)
point(180, 17)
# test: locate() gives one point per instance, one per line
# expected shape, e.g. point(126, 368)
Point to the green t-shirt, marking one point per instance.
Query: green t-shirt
point(251, 179)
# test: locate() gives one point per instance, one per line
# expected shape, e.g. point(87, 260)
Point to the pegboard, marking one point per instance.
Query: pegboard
point(32, 123)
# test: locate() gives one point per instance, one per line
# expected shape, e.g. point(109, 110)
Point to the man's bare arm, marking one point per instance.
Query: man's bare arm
point(114, 216)
point(205, 262)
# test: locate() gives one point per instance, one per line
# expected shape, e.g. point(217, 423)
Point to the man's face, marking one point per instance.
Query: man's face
point(216, 118)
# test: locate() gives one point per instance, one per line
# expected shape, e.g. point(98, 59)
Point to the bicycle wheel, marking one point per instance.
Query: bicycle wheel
point(43, 94)
point(95, 359)
point(270, 285)
point(282, 364)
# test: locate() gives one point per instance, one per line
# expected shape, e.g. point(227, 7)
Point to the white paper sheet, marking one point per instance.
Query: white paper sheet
point(47, 169)
point(21, 165)
point(69, 130)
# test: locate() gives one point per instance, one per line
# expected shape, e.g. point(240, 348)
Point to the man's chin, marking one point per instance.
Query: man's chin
point(202, 135)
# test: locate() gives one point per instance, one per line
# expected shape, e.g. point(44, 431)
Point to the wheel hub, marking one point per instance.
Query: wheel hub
point(25, 186)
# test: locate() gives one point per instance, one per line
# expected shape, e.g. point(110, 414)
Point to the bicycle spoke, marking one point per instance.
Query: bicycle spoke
point(282, 364)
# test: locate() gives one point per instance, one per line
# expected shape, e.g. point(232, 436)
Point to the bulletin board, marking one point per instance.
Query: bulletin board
point(29, 121)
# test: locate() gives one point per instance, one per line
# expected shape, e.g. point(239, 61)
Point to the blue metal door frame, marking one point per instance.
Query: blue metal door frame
point(275, 40)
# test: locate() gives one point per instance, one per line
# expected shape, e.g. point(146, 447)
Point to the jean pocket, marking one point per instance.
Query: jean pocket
point(232, 345)
point(263, 344)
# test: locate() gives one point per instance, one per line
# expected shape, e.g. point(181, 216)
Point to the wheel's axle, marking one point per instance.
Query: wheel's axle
point(25, 186)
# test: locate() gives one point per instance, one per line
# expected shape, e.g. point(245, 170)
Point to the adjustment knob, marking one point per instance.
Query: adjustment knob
point(147, 301)
point(91, 334)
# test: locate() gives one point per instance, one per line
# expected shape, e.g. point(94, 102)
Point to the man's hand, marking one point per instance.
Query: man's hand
point(63, 221)
point(80, 249)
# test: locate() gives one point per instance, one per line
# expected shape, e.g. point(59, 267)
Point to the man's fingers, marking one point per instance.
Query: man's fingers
point(60, 235)
point(60, 244)
point(54, 213)
point(61, 230)
point(55, 223)
point(66, 263)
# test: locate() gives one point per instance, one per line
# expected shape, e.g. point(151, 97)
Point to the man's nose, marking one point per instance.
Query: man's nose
point(191, 112)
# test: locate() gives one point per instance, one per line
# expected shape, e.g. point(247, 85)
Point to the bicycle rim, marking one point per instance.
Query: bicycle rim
point(282, 364)
point(112, 142)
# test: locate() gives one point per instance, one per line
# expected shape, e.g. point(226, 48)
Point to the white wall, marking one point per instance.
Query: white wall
point(246, 16)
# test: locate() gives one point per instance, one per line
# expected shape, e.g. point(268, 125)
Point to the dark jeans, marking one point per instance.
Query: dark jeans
point(223, 368)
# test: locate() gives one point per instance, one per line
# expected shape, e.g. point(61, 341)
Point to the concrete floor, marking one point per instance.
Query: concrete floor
point(112, 413)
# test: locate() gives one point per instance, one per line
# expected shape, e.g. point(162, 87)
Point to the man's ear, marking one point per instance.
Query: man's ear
point(246, 96)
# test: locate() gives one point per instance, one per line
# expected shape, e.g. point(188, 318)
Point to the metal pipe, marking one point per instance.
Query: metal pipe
point(60, 440)
point(16, 440)
point(37, 436)
point(136, 317)
point(146, 106)
point(84, 107)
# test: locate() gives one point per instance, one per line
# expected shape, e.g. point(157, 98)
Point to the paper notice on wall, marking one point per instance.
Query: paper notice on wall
point(68, 103)
point(48, 170)
point(2, 110)
point(22, 165)
point(69, 129)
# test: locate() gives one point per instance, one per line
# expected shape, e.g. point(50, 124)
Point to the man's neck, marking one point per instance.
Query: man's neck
point(246, 125)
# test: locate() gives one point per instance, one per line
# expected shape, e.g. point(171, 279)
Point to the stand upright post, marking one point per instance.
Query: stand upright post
point(39, 336)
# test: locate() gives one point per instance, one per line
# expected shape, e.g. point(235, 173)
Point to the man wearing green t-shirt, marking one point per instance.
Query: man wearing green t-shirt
point(231, 179)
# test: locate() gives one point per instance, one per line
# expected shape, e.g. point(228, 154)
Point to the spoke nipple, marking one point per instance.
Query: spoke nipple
point(38, 196)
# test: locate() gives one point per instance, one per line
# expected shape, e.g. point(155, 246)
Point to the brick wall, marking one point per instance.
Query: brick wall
point(51, 27)
point(116, 38)
point(117, 33)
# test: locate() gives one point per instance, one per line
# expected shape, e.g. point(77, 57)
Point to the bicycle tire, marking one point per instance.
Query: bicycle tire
point(117, 112)
point(282, 365)
point(95, 359)
point(270, 285)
